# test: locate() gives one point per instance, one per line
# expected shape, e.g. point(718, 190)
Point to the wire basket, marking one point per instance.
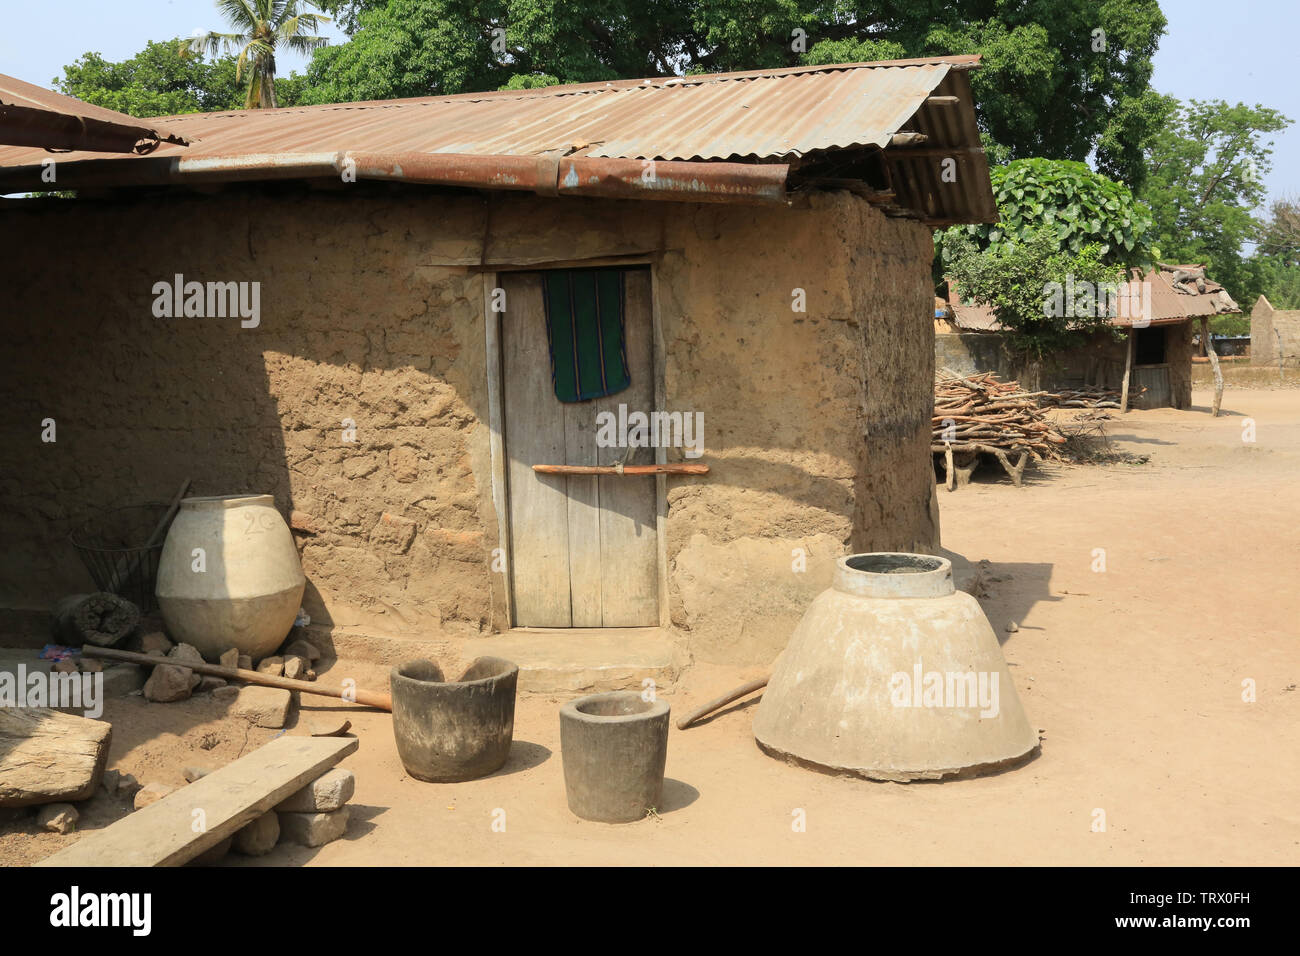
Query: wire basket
point(114, 547)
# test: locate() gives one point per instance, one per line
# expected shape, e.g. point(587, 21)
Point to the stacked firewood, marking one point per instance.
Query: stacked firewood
point(977, 413)
point(1089, 396)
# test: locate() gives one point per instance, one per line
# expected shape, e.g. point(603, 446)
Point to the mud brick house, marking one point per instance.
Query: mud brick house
point(384, 314)
point(1154, 328)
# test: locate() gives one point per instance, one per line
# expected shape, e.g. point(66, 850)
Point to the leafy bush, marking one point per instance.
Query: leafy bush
point(1070, 202)
point(1051, 298)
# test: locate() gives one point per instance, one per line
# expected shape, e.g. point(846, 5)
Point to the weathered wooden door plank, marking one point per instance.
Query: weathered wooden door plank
point(629, 552)
point(584, 514)
point(534, 433)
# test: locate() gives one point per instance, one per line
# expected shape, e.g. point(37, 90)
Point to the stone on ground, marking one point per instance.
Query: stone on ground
point(263, 706)
point(314, 829)
point(169, 683)
point(325, 794)
point(128, 786)
point(123, 679)
point(259, 837)
point(208, 683)
point(187, 653)
point(295, 668)
point(245, 662)
point(150, 643)
point(229, 658)
point(226, 693)
point(57, 817)
point(271, 666)
point(195, 773)
point(152, 793)
point(110, 781)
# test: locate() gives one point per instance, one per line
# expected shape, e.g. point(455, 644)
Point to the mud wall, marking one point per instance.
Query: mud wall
point(1100, 361)
point(360, 398)
point(1274, 332)
point(816, 421)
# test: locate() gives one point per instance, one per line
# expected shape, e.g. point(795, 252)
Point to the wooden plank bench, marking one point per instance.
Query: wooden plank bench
point(162, 834)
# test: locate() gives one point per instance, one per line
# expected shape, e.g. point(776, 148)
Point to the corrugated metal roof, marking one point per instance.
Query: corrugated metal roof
point(1170, 303)
point(33, 116)
point(758, 116)
point(1165, 303)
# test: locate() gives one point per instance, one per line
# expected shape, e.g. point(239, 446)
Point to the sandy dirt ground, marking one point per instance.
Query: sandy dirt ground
point(1134, 676)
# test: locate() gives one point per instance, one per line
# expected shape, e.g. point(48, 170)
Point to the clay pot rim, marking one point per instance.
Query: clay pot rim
point(508, 669)
point(655, 708)
point(226, 501)
point(933, 579)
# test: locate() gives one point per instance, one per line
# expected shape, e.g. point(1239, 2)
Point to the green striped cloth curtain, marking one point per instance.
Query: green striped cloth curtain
point(584, 327)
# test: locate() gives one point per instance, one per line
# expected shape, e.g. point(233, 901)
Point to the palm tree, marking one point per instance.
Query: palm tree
point(263, 25)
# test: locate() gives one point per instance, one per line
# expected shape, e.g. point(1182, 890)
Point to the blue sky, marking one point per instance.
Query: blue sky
point(1244, 51)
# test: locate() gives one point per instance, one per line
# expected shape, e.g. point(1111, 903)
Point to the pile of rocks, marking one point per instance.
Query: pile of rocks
point(263, 706)
point(315, 815)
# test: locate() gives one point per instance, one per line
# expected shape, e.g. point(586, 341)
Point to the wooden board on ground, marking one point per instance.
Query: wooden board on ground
point(162, 834)
point(47, 756)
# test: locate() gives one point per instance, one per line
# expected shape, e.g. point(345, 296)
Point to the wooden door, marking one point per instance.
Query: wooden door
point(584, 549)
point(1155, 379)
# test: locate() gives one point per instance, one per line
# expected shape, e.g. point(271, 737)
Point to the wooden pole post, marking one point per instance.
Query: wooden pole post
point(1214, 363)
point(1128, 371)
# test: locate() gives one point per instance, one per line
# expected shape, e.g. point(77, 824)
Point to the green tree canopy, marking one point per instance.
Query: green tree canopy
point(1279, 234)
point(1206, 166)
point(1069, 202)
point(157, 81)
point(1094, 55)
point(1277, 255)
point(154, 82)
point(1059, 78)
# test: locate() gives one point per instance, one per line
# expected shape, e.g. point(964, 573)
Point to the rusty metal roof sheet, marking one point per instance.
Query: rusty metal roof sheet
point(765, 116)
point(1171, 303)
point(34, 117)
point(1165, 303)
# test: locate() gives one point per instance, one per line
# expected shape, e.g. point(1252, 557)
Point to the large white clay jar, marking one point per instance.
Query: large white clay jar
point(893, 674)
point(229, 576)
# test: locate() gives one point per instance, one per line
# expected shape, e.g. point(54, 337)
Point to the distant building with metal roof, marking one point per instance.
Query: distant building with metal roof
point(1165, 295)
point(1155, 310)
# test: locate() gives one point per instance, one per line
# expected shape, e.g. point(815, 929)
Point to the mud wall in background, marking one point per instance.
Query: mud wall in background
point(1274, 335)
point(1099, 362)
point(371, 317)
